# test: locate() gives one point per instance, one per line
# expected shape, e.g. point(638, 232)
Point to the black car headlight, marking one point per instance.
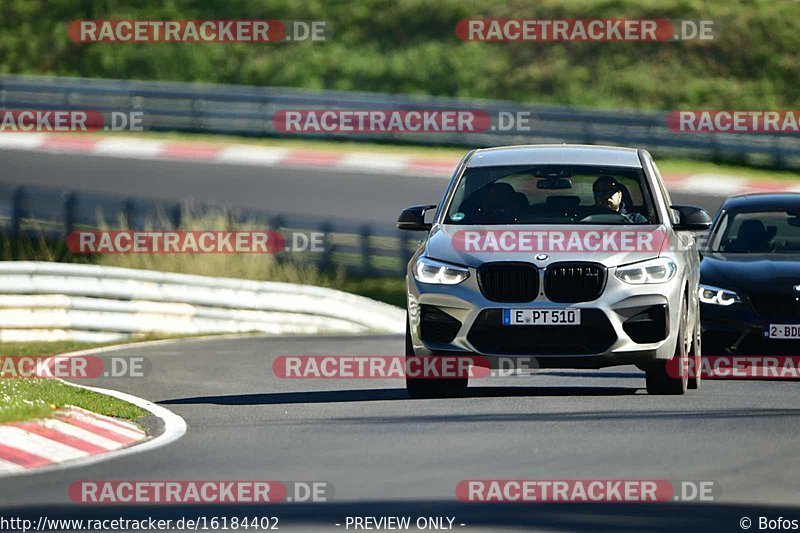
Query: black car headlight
point(717, 296)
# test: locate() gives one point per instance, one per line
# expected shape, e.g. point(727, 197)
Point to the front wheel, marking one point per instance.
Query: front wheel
point(431, 387)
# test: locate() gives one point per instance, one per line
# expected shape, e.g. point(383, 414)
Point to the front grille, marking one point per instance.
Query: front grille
point(436, 325)
point(595, 335)
point(777, 306)
point(509, 282)
point(574, 282)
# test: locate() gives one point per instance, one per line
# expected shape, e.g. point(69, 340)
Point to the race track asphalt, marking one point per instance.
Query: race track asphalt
point(386, 454)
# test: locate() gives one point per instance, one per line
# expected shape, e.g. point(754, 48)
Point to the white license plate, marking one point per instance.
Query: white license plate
point(541, 317)
point(782, 331)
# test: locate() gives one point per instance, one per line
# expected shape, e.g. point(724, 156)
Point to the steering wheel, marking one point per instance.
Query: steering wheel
point(611, 217)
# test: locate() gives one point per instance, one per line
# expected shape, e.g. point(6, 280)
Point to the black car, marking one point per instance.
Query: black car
point(750, 277)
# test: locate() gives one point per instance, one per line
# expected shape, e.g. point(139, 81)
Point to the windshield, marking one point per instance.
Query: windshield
point(758, 232)
point(552, 194)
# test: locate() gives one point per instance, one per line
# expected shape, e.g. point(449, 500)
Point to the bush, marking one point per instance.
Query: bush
point(409, 46)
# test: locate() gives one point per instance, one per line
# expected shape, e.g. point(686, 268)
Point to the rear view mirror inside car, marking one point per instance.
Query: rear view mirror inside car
point(553, 184)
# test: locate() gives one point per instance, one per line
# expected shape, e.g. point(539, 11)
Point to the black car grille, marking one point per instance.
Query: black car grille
point(776, 306)
point(720, 342)
point(594, 335)
point(509, 282)
point(436, 325)
point(574, 282)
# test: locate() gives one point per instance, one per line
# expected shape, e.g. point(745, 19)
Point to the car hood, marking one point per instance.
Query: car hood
point(751, 272)
point(445, 243)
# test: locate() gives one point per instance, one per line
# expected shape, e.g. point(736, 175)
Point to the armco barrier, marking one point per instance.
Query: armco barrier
point(49, 301)
point(32, 212)
point(245, 110)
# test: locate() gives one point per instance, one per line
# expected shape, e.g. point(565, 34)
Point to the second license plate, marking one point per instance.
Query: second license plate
point(541, 317)
point(782, 331)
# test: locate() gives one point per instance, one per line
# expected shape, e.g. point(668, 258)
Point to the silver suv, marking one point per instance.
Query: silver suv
point(572, 256)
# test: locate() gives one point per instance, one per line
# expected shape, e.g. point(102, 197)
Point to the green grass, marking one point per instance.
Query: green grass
point(36, 349)
point(25, 399)
point(391, 290)
point(683, 166)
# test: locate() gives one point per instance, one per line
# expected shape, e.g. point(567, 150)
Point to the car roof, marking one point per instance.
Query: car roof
point(556, 154)
point(767, 201)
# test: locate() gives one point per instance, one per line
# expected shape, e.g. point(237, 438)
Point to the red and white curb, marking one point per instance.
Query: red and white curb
point(70, 433)
point(234, 154)
point(373, 162)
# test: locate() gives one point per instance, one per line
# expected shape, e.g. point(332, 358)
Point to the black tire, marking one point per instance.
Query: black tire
point(697, 354)
point(658, 378)
point(431, 388)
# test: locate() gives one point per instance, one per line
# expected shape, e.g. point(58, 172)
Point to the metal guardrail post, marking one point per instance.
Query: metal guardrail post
point(365, 249)
point(777, 154)
point(176, 216)
point(16, 211)
point(127, 214)
point(326, 261)
point(275, 224)
point(402, 251)
point(68, 212)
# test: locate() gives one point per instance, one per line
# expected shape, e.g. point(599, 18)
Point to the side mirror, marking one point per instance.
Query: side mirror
point(413, 218)
point(691, 218)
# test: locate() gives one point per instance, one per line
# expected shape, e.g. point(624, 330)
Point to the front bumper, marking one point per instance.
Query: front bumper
point(602, 339)
point(738, 329)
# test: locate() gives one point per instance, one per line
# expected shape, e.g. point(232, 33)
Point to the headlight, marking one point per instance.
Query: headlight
point(659, 270)
point(428, 270)
point(717, 296)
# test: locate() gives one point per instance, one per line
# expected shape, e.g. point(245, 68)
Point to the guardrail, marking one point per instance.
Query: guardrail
point(244, 110)
point(32, 212)
point(56, 301)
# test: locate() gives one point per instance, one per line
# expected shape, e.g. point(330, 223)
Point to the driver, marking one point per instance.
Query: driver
point(608, 194)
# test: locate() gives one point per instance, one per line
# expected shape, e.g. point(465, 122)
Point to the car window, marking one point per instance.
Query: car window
point(549, 194)
point(758, 232)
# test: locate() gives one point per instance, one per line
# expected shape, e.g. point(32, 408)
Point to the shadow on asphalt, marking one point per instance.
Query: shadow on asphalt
point(475, 516)
point(377, 395)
